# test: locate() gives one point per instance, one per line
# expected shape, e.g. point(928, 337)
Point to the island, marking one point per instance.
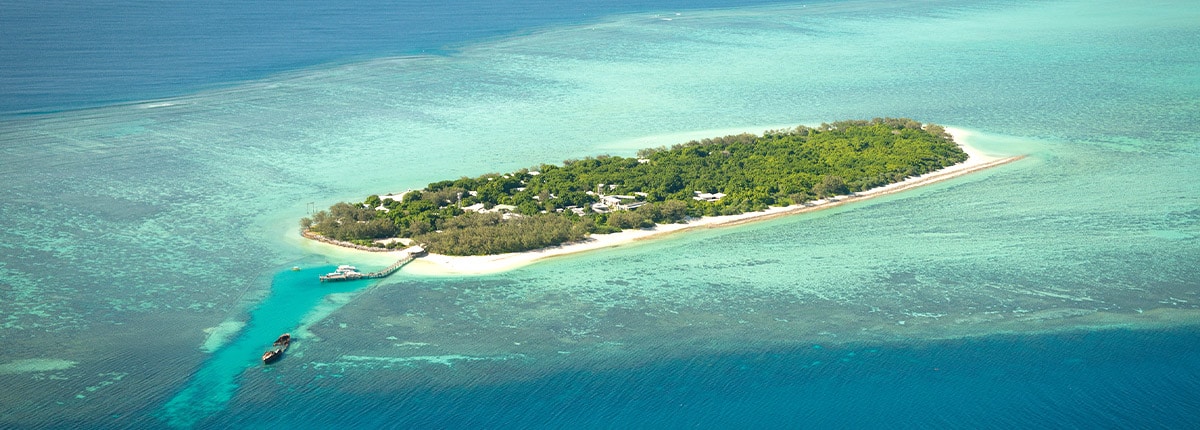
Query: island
point(719, 179)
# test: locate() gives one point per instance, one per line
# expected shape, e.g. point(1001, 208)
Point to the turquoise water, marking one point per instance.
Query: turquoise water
point(295, 294)
point(148, 244)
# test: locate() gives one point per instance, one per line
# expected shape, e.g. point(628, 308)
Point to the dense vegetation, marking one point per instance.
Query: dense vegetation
point(552, 204)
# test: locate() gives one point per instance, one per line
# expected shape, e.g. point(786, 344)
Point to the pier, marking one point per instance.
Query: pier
point(350, 273)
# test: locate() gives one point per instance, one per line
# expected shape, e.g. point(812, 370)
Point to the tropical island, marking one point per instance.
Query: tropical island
point(552, 205)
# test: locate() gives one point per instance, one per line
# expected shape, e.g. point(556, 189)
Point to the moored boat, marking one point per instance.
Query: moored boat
point(343, 273)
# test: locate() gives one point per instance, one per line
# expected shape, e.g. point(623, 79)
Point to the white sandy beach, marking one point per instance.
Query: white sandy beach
point(436, 264)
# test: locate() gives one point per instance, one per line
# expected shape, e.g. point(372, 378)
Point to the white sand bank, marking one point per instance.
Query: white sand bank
point(35, 365)
point(435, 264)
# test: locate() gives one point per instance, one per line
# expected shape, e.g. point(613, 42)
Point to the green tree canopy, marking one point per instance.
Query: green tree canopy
point(715, 176)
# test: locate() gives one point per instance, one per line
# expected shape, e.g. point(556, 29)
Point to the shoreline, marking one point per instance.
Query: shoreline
point(445, 265)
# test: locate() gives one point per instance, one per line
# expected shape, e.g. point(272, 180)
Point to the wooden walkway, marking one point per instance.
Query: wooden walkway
point(410, 255)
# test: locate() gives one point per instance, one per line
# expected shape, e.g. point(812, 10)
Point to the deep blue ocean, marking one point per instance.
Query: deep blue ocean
point(155, 156)
point(1111, 379)
point(62, 55)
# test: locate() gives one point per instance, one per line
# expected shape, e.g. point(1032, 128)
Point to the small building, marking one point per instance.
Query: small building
point(630, 206)
point(610, 201)
point(708, 197)
point(478, 207)
point(618, 202)
point(415, 250)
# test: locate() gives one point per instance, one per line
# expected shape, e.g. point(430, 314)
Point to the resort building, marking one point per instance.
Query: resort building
point(480, 208)
point(619, 202)
point(708, 197)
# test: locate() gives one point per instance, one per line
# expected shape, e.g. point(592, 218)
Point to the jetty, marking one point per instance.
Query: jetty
point(351, 273)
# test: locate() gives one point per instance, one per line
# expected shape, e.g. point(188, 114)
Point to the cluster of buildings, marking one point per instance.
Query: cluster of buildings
point(608, 202)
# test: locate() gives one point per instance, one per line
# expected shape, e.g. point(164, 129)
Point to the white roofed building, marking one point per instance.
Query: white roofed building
point(708, 197)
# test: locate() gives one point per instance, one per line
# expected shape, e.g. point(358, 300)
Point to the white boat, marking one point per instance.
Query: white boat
point(343, 273)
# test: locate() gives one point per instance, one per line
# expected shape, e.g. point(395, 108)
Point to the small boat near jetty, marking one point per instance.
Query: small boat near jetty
point(281, 344)
point(344, 273)
point(351, 273)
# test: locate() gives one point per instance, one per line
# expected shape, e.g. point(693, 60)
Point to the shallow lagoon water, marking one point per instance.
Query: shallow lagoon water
point(134, 232)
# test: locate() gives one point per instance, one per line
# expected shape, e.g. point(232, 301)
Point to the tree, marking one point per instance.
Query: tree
point(372, 201)
point(628, 219)
point(830, 186)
